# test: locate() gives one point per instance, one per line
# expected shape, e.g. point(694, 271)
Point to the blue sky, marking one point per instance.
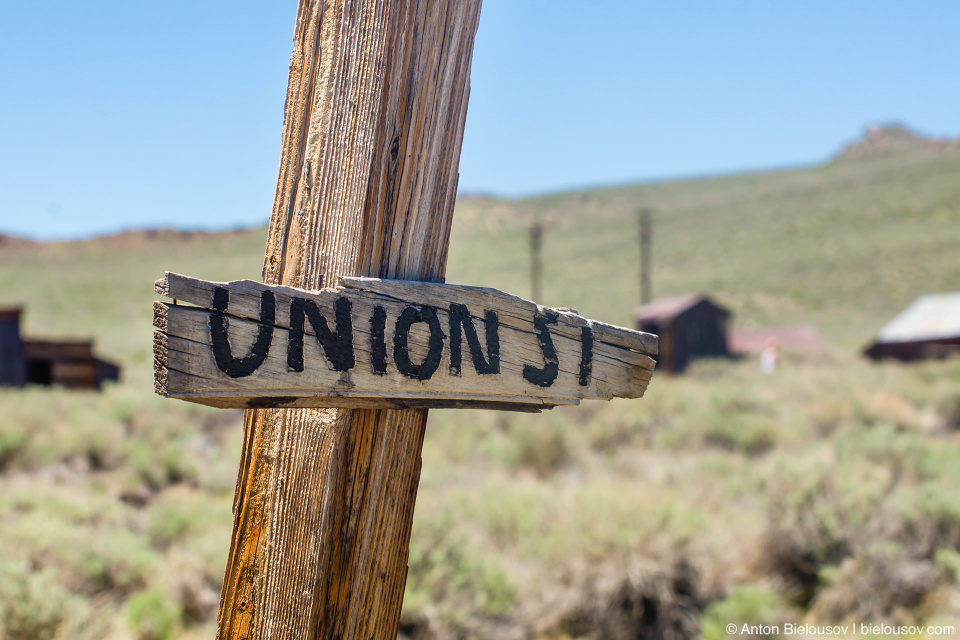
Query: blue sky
point(118, 115)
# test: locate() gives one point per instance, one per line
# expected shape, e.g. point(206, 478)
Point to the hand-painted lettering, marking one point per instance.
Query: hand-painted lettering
point(383, 343)
point(462, 323)
point(378, 341)
point(337, 345)
point(546, 375)
point(401, 334)
point(220, 342)
point(586, 355)
point(338, 348)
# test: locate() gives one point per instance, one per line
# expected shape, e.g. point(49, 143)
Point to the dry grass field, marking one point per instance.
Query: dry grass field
point(827, 493)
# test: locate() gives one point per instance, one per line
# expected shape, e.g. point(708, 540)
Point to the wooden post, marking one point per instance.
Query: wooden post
point(373, 126)
point(536, 261)
point(646, 290)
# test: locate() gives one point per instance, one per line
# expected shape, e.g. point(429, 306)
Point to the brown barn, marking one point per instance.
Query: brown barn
point(67, 363)
point(928, 328)
point(689, 326)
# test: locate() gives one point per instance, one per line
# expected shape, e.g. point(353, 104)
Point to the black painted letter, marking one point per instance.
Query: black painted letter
point(378, 340)
point(544, 377)
point(220, 343)
point(460, 323)
point(337, 346)
point(401, 332)
point(586, 355)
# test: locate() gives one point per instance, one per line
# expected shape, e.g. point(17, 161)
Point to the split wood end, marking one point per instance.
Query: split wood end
point(160, 315)
point(160, 380)
point(162, 286)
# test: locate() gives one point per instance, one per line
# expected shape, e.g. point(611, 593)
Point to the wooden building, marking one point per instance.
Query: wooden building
point(928, 328)
point(66, 363)
point(12, 362)
point(689, 326)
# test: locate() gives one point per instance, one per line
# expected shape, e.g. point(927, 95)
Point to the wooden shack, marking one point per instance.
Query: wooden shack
point(66, 363)
point(928, 328)
point(12, 363)
point(689, 326)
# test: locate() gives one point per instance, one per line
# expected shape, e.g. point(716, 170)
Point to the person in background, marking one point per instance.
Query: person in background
point(770, 357)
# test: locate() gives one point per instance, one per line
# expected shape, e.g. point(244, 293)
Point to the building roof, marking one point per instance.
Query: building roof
point(669, 307)
point(10, 313)
point(801, 337)
point(58, 349)
point(934, 316)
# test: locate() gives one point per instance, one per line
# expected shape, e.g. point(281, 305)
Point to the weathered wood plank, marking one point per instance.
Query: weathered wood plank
point(471, 345)
point(515, 311)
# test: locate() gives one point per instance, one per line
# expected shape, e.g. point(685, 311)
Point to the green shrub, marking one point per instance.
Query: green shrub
point(828, 415)
point(32, 605)
point(541, 446)
point(160, 466)
point(495, 594)
point(182, 510)
point(152, 616)
point(510, 513)
point(447, 570)
point(930, 518)
point(903, 452)
point(949, 561)
point(13, 441)
point(609, 434)
point(596, 521)
point(896, 583)
point(747, 434)
point(949, 409)
point(729, 418)
point(747, 605)
point(817, 513)
point(106, 560)
point(168, 523)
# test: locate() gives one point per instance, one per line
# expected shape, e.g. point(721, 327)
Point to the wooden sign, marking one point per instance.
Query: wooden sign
point(388, 344)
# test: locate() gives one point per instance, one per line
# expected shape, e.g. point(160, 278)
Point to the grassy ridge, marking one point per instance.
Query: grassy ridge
point(827, 492)
point(843, 246)
point(103, 288)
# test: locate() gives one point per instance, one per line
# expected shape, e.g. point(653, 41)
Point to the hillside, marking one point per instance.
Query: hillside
point(843, 246)
point(826, 493)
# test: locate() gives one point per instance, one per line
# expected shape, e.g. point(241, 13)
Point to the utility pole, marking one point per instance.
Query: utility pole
point(646, 231)
point(536, 261)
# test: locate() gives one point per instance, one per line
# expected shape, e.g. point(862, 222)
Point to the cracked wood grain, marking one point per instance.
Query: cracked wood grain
point(493, 335)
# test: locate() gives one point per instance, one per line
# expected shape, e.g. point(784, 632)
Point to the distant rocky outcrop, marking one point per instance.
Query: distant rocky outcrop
point(879, 140)
point(124, 239)
point(140, 237)
point(11, 242)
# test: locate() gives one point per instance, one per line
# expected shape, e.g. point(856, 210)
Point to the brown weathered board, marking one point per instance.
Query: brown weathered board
point(386, 343)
